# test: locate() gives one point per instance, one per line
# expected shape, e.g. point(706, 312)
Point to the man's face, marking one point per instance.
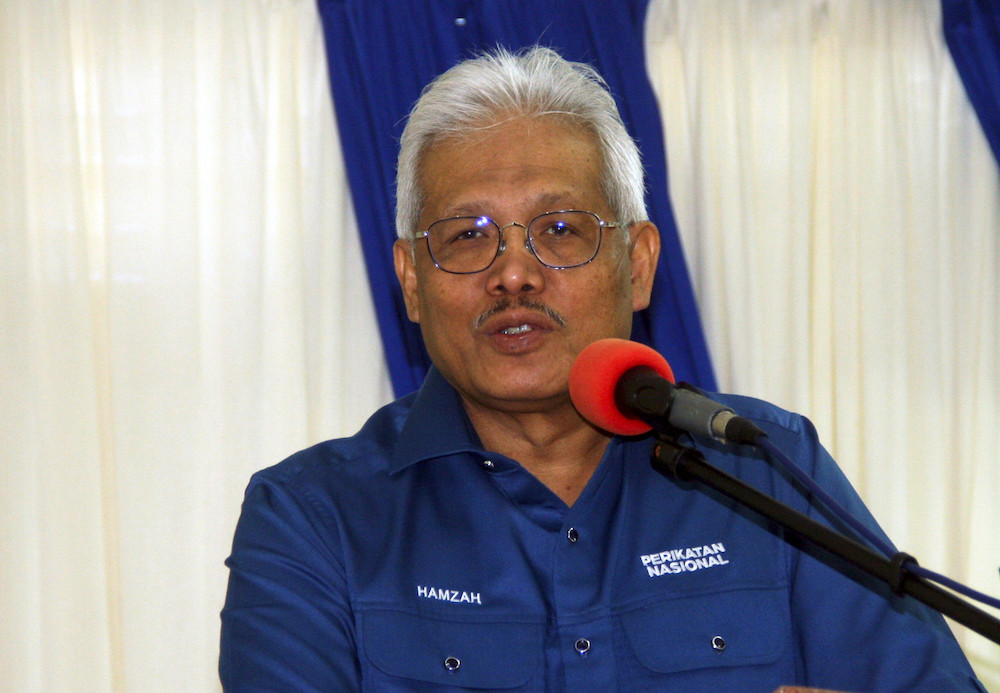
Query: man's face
point(506, 337)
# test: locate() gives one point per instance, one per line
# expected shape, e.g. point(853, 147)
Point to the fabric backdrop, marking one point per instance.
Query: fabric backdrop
point(184, 297)
point(840, 210)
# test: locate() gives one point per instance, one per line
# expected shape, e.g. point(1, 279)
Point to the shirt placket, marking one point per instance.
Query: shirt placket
point(583, 621)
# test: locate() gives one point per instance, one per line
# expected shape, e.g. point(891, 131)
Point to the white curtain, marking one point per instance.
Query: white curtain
point(182, 298)
point(840, 212)
point(183, 302)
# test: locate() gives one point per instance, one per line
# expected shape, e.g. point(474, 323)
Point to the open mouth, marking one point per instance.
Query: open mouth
point(518, 329)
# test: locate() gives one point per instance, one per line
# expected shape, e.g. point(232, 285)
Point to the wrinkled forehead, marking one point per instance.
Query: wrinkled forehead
point(472, 142)
point(521, 161)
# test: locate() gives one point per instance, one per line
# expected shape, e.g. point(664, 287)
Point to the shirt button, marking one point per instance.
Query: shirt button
point(452, 663)
point(582, 647)
point(572, 535)
point(488, 464)
point(718, 643)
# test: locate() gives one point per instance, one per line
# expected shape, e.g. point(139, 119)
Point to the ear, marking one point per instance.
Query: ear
point(406, 273)
point(645, 256)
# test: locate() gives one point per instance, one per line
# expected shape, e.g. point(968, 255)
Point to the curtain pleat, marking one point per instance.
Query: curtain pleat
point(182, 302)
point(839, 207)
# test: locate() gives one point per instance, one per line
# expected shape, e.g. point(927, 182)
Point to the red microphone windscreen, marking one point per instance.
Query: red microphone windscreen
point(595, 373)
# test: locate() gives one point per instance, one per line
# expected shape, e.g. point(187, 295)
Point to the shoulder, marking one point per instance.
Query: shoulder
point(360, 458)
point(789, 431)
point(770, 416)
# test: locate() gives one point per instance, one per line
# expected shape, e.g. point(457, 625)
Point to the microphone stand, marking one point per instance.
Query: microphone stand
point(686, 463)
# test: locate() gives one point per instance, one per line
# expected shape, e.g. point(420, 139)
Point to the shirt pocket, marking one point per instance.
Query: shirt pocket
point(734, 628)
point(454, 654)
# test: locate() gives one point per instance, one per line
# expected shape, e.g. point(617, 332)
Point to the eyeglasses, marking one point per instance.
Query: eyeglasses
point(560, 240)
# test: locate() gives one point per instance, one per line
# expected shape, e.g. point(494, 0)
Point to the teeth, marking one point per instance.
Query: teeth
point(520, 329)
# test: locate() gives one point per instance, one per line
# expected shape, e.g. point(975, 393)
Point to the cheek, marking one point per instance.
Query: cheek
point(441, 305)
point(622, 302)
point(617, 287)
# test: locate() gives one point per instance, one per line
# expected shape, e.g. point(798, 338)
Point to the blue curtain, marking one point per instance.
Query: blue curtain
point(972, 31)
point(382, 52)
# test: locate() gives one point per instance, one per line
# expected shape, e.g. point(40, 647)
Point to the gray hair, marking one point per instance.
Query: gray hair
point(537, 81)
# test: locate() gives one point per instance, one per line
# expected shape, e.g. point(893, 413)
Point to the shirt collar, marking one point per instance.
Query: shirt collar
point(435, 426)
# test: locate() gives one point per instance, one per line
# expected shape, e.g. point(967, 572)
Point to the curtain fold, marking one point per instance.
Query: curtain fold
point(182, 302)
point(972, 30)
point(382, 53)
point(839, 207)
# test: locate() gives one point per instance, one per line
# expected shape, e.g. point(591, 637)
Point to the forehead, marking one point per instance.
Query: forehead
point(539, 162)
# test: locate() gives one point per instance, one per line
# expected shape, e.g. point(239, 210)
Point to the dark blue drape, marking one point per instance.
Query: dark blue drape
point(972, 30)
point(382, 52)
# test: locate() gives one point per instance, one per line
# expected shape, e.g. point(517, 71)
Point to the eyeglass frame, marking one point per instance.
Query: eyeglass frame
point(501, 241)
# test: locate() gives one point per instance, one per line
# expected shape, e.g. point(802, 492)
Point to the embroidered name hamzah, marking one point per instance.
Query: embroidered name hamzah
point(444, 595)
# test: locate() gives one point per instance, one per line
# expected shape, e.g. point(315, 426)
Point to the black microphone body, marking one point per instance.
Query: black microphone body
point(644, 393)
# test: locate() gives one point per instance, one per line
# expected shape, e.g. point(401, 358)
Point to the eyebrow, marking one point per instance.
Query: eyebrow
point(544, 202)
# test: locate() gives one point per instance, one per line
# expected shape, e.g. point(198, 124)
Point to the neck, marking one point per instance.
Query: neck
point(556, 446)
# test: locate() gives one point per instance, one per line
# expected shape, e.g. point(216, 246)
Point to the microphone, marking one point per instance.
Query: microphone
point(628, 389)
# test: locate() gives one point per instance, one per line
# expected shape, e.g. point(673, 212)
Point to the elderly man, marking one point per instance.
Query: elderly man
point(480, 534)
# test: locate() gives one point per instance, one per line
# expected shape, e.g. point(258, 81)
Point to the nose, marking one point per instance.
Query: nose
point(504, 236)
point(515, 269)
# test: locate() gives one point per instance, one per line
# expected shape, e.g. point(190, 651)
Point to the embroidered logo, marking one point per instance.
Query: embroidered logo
point(685, 560)
point(444, 595)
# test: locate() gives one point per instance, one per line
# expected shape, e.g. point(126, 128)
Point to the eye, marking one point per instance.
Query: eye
point(559, 229)
point(464, 231)
point(469, 234)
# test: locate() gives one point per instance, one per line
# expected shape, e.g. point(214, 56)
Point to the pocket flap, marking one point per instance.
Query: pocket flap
point(480, 654)
point(733, 628)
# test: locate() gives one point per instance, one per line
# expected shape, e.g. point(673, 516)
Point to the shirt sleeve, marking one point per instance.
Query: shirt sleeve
point(287, 622)
point(853, 632)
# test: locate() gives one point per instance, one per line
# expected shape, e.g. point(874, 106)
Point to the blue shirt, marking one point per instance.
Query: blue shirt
point(407, 558)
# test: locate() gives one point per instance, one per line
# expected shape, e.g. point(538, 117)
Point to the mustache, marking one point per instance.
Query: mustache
point(506, 303)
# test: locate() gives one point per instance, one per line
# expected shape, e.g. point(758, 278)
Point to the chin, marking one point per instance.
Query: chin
point(528, 396)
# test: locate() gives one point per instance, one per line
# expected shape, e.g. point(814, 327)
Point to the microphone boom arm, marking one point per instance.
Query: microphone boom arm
point(685, 463)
